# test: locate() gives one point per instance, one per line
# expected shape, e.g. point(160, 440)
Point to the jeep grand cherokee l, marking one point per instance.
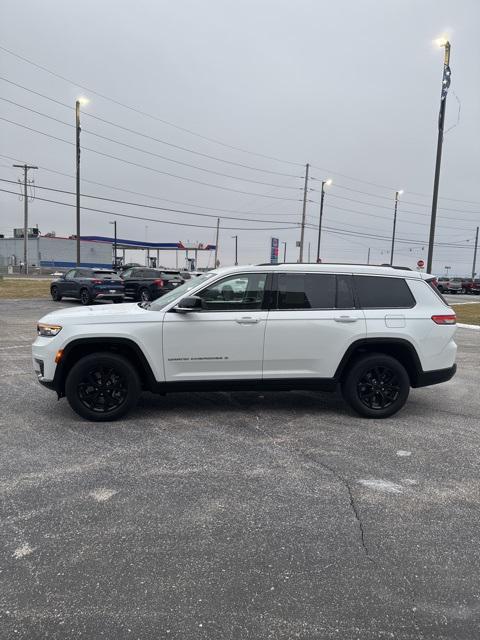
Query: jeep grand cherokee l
point(374, 331)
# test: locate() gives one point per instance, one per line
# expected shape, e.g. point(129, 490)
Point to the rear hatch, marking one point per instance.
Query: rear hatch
point(171, 280)
point(107, 282)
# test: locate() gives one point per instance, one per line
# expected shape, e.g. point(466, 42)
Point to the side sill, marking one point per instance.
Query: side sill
point(271, 384)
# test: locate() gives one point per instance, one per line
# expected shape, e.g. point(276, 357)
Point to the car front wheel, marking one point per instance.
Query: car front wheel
point(376, 386)
point(144, 295)
point(102, 387)
point(55, 293)
point(85, 297)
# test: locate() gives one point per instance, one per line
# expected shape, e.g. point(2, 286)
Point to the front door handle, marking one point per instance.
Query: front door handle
point(247, 320)
point(345, 319)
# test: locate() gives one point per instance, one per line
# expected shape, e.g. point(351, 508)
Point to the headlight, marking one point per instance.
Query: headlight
point(48, 330)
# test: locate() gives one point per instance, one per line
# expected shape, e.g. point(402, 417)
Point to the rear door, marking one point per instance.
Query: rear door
point(312, 323)
point(224, 340)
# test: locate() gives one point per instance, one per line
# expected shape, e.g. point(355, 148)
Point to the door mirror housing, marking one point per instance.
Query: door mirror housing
point(190, 303)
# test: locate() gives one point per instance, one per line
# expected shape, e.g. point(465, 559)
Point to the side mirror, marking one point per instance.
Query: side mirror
point(190, 303)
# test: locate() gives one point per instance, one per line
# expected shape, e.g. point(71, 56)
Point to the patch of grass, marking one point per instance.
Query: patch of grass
point(24, 288)
point(467, 313)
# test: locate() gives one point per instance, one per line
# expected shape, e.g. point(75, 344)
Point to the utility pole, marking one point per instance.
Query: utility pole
point(115, 244)
point(441, 122)
point(304, 212)
point(26, 168)
point(322, 198)
point(475, 255)
point(308, 255)
point(216, 243)
point(77, 142)
point(236, 249)
point(397, 193)
point(284, 251)
point(368, 257)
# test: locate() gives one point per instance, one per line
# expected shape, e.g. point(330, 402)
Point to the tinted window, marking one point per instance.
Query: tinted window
point(238, 292)
point(306, 291)
point(105, 275)
point(375, 292)
point(84, 273)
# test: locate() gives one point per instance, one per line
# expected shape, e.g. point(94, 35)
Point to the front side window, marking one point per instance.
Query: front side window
point(376, 292)
point(306, 291)
point(235, 293)
point(70, 274)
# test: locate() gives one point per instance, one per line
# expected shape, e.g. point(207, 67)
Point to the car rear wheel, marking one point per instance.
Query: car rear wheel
point(376, 386)
point(102, 387)
point(144, 295)
point(55, 293)
point(85, 297)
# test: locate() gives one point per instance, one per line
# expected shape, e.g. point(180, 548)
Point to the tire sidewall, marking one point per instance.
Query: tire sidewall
point(356, 371)
point(143, 291)
point(88, 299)
point(117, 362)
point(56, 297)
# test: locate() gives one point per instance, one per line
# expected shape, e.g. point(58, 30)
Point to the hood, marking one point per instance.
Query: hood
point(100, 314)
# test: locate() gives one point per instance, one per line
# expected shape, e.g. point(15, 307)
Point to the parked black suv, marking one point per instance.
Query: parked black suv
point(145, 284)
point(88, 285)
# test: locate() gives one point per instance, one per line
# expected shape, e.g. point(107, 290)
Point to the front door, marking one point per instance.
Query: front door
point(310, 326)
point(222, 341)
point(69, 286)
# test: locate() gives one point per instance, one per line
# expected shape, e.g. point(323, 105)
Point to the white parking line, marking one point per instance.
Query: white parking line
point(468, 326)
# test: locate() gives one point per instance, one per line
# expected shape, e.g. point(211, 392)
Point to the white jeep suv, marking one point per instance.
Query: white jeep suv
point(375, 331)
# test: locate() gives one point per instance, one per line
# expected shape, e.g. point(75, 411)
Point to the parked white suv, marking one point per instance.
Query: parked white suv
point(375, 331)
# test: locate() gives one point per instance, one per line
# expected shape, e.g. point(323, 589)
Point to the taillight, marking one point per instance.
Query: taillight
point(158, 283)
point(97, 282)
point(434, 281)
point(450, 319)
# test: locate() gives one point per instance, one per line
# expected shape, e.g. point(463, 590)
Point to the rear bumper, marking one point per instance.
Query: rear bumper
point(427, 378)
point(108, 296)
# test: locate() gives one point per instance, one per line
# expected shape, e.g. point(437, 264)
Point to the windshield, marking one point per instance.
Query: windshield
point(179, 292)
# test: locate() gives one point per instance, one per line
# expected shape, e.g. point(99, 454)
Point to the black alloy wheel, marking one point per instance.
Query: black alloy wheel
point(85, 297)
point(102, 386)
point(376, 385)
point(55, 293)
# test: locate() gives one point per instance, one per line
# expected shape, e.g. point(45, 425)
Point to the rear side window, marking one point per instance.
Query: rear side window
point(306, 291)
point(431, 283)
point(375, 292)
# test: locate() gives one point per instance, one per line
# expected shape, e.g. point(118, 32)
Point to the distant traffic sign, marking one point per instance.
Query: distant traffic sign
point(421, 264)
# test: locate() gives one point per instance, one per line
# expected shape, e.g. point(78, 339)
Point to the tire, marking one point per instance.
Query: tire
point(363, 389)
point(85, 297)
point(54, 292)
point(144, 295)
point(102, 387)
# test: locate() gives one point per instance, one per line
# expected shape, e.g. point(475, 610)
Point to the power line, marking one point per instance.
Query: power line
point(148, 206)
point(150, 153)
point(149, 137)
point(145, 113)
point(126, 215)
point(136, 164)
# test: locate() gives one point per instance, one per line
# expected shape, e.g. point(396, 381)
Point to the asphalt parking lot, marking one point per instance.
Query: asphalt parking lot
point(237, 515)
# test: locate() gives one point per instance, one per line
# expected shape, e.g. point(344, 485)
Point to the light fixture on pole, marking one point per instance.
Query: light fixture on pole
point(114, 243)
point(78, 103)
point(397, 194)
point(236, 249)
point(441, 42)
point(325, 183)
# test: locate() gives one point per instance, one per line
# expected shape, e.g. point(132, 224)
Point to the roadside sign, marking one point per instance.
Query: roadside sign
point(274, 251)
point(421, 264)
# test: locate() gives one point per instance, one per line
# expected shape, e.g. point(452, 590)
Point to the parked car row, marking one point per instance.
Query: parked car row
point(135, 282)
point(458, 285)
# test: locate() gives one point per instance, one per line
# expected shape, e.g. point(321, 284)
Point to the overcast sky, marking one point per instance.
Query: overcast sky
point(351, 87)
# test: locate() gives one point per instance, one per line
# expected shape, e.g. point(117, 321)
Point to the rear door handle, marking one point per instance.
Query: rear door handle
point(247, 320)
point(345, 319)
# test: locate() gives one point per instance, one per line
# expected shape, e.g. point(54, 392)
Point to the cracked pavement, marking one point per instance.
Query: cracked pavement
point(237, 515)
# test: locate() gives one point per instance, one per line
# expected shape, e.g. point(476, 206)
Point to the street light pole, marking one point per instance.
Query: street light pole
point(304, 213)
point(322, 198)
point(236, 249)
point(284, 251)
point(397, 193)
point(475, 255)
point(441, 122)
point(77, 142)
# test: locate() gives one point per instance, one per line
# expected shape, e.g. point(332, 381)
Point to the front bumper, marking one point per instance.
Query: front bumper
point(427, 378)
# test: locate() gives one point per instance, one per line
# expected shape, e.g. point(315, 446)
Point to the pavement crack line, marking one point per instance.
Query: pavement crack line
point(354, 508)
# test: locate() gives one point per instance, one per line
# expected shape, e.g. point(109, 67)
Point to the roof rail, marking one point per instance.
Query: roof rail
point(353, 264)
